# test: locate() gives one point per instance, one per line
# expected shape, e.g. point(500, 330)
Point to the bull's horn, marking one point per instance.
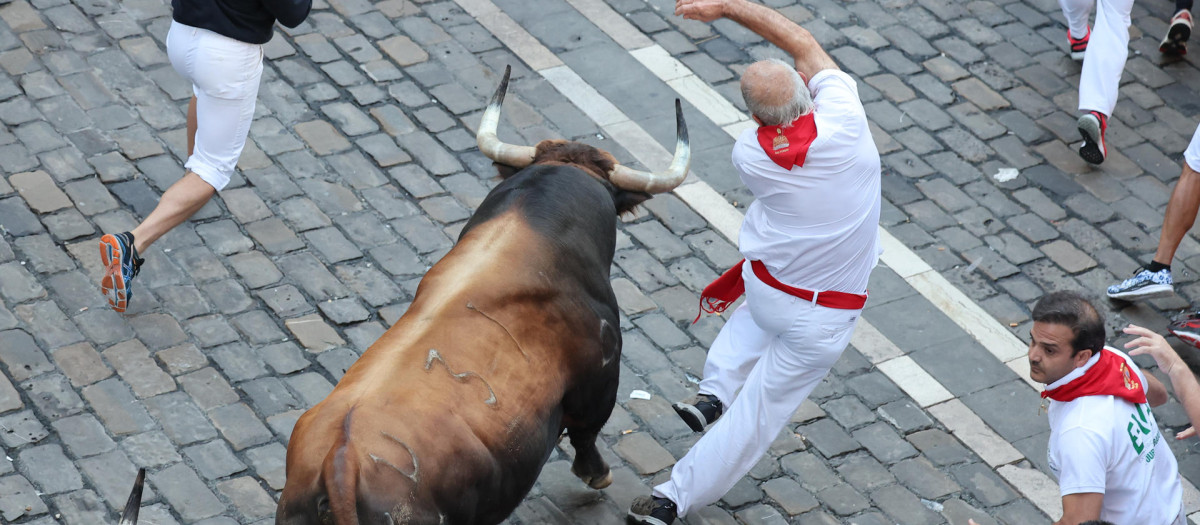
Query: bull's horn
point(134, 505)
point(663, 181)
point(489, 144)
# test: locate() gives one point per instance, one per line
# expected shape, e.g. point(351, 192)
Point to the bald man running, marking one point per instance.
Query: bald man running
point(810, 238)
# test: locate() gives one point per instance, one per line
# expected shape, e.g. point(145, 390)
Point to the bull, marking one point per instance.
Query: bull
point(511, 338)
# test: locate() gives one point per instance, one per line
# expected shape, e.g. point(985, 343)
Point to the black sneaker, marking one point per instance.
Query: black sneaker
point(1092, 126)
point(700, 411)
point(1175, 43)
point(649, 510)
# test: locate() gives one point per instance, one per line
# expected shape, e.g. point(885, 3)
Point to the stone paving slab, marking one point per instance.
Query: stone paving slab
point(361, 169)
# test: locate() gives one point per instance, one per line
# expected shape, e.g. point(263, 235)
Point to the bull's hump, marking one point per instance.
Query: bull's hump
point(502, 254)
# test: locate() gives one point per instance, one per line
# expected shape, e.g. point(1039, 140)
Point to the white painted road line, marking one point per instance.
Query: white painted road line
point(872, 344)
point(1036, 486)
point(971, 430)
point(915, 381)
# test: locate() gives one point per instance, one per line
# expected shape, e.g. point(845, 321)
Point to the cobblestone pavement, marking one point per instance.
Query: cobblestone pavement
point(361, 169)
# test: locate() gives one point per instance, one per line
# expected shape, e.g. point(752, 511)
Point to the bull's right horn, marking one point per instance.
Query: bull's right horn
point(134, 505)
point(659, 181)
point(489, 144)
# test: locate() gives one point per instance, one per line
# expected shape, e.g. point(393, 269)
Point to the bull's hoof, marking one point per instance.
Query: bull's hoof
point(596, 482)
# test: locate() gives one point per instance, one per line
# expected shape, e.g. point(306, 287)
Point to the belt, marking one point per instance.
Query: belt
point(828, 299)
point(726, 289)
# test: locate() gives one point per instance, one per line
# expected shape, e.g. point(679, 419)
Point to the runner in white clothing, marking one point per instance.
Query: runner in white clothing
point(1105, 446)
point(810, 239)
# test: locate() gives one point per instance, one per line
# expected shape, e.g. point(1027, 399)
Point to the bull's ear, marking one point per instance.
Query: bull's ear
point(504, 170)
point(626, 201)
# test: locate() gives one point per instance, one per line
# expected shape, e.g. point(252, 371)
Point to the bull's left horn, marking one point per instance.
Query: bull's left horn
point(134, 505)
point(661, 181)
point(489, 144)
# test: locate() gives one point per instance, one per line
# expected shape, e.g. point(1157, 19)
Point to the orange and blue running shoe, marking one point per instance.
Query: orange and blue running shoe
point(122, 264)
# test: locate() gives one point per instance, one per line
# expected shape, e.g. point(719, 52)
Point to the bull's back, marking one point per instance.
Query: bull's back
point(450, 415)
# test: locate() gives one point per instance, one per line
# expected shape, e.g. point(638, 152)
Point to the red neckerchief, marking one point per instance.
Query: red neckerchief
point(1110, 376)
point(723, 291)
point(788, 146)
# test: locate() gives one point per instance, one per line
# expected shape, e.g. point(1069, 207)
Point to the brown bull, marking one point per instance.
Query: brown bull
point(512, 337)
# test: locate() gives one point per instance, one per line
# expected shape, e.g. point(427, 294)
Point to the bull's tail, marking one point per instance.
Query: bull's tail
point(339, 477)
point(134, 505)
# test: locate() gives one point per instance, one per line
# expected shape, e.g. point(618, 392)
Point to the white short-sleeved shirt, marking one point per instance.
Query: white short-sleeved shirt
point(1106, 445)
point(816, 226)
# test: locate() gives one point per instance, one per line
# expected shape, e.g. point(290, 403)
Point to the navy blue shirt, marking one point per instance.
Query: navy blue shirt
point(248, 21)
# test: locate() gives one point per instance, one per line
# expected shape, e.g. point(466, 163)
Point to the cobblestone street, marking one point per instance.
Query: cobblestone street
point(362, 168)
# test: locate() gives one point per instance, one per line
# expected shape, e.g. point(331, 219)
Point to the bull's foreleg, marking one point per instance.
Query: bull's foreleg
point(588, 465)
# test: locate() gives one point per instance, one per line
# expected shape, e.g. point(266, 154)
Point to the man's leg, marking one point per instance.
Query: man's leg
point(732, 355)
point(793, 365)
point(191, 125)
point(1076, 12)
point(1154, 279)
point(1180, 215)
point(182, 200)
point(1101, 77)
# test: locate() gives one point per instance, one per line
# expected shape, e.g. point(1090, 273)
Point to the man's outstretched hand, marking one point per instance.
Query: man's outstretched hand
point(702, 10)
point(1155, 346)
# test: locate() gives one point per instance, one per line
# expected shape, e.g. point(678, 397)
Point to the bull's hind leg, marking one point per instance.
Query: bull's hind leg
point(588, 407)
point(584, 419)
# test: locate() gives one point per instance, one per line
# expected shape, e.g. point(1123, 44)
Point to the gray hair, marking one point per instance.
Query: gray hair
point(799, 104)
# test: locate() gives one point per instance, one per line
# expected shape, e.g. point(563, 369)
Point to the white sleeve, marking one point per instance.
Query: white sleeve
point(1083, 461)
point(1192, 155)
point(834, 91)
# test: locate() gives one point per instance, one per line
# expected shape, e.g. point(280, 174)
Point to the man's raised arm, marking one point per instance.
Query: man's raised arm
point(767, 23)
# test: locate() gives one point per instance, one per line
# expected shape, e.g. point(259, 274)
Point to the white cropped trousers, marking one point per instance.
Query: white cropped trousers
point(1107, 51)
point(775, 348)
point(225, 74)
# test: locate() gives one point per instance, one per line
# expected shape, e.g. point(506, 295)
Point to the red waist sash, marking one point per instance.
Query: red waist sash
point(726, 289)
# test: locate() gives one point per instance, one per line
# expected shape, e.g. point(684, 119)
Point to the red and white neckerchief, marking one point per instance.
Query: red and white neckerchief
point(788, 145)
point(1109, 376)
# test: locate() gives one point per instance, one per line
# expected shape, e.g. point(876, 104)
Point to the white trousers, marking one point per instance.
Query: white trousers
point(225, 74)
point(1107, 50)
point(775, 348)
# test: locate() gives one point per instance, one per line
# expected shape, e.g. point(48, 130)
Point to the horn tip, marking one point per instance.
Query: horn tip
point(130, 514)
point(498, 97)
point(681, 131)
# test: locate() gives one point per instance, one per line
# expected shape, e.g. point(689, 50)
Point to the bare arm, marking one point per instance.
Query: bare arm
point(808, 55)
point(1156, 393)
point(1187, 390)
point(1078, 508)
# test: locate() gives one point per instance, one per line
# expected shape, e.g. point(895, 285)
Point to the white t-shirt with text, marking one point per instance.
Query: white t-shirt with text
point(817, 226)
point(1107, 445)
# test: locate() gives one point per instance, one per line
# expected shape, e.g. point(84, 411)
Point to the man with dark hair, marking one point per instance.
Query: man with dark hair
point(1105, 446)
